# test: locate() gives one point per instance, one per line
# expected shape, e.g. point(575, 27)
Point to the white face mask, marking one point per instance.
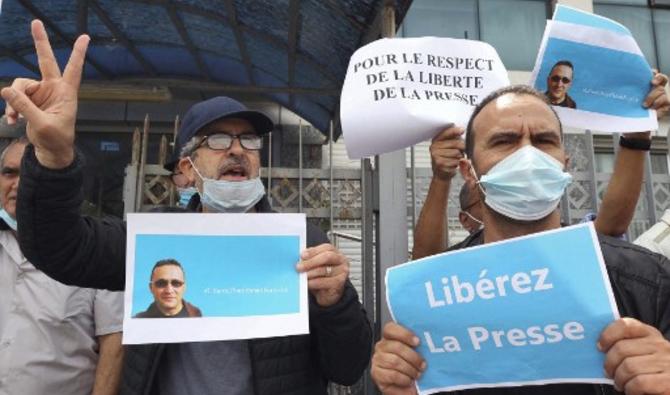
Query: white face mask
point(526, 185)
point(225, 196)
point(11, 222)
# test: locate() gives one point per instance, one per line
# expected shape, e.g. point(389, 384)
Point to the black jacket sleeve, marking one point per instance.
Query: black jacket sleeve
point(342, 332)
point(56, 238)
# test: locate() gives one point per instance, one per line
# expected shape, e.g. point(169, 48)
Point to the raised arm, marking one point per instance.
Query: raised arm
point(53, 235)
point(623, 190)
point(430, 232)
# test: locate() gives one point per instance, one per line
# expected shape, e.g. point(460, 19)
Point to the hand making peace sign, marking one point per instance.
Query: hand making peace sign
point(49, 105)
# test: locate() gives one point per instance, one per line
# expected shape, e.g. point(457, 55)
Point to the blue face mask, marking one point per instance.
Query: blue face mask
point(11, 222)
point(185, 195)
point(526, 185)
point(230, 196)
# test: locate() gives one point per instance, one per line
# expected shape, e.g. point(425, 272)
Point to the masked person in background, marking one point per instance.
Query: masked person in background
point(220, 141)
point(53, 337)
point(514, 143)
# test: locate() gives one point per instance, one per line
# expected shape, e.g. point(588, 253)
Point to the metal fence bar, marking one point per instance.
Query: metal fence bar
point(592, 171)
point(649, 190)
point(330, 167)
point(300, 165)
point(413, 185)
point(367, 257)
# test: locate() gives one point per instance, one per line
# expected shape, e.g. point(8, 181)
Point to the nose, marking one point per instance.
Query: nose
point(236, 147)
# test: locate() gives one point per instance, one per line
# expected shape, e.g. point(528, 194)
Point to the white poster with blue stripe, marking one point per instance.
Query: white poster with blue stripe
point(594, 73)
point(517, 312)
point(206, 277)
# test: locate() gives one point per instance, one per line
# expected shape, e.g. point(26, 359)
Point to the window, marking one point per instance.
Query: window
point(650, 27)
point(638, 21)
point(659, 163)
point(513, 27)
point(456, 19)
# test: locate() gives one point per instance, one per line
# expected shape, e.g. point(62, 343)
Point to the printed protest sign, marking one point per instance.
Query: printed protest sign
point(401, 91)
point(594, 73)
point(517, 312)
point(205, 277)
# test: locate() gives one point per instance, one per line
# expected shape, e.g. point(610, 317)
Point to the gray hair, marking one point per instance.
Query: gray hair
point(14, 141)
point(189, 148)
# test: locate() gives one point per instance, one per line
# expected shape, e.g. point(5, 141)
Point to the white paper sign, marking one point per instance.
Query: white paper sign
point(234, 277)
point(401, 91)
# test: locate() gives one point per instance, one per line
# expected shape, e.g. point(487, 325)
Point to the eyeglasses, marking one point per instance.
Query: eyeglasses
point(225, 140)
point(556, 78)
point(163, 283)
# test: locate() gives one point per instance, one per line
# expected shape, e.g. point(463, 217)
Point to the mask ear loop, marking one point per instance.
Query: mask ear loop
point(472, 217)
point(474, 174)
point(198, 173)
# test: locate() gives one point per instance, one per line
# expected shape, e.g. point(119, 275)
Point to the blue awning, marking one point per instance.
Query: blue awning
point(295, 52)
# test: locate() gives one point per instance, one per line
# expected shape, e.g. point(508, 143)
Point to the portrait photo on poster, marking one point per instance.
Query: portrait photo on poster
point(593, 73)
point(216, 282)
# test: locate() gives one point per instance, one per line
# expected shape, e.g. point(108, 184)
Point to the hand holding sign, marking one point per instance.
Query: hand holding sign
point(327, 272)
point(446, 151)
point(49, 105)
point(638, 357)
point(395, 364)
point(657, 99)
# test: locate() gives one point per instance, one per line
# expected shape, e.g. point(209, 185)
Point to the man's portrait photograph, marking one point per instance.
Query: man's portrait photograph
point(168, 285)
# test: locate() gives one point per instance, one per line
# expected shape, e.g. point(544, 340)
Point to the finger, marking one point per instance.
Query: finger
point(390, 361)
point(660, 102)
point(647, 384)
point(457, 144)
point(402, 350)
point(45, 56)
point(447, 153)
point(624, 328)
point(74, 67)
point(327, 258)
point(393, 331)
point(32, 87)
point(659, 79)
point(322, 283)
point(390, 381)
point(313, 251)
point(635, 366)
point(21, 104)
point(449, 133)
point(653, 95)
point(624, 349)
point(323, 271)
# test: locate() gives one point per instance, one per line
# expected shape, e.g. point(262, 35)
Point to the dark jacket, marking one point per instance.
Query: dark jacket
point(641, 285)
point(90, 252)
point(187, 311)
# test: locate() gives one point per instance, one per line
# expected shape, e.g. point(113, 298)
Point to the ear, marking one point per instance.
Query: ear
point(462, 218)
point(465, 166)
point(567, 161)
point(187, 170)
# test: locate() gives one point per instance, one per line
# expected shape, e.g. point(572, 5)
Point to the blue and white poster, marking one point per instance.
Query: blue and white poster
point(594, 73)
point(517, 312)
point(205, 277)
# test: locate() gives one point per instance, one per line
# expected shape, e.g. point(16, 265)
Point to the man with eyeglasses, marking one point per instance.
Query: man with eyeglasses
point(168, 285)
point(219, 145)
point(559, 82)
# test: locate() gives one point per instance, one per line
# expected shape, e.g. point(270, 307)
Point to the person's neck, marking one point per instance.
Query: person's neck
point(558, 101)
point(172, 312)
point(498, 227)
